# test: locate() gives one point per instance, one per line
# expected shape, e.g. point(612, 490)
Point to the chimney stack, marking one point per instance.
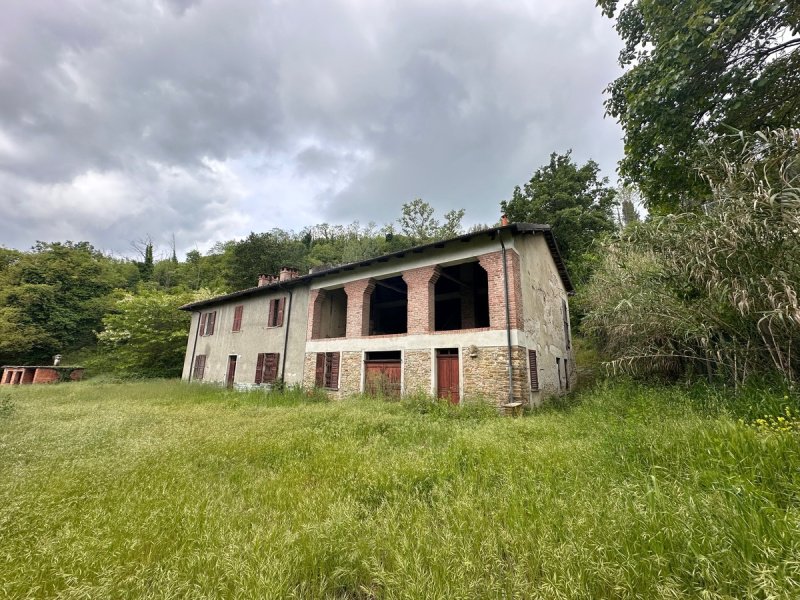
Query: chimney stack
point(263, 280)
point(504, 220)
point(288, 273)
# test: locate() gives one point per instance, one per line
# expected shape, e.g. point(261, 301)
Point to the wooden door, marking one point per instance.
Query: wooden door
point(382, 378)
point(447, 382)
point(231, 371)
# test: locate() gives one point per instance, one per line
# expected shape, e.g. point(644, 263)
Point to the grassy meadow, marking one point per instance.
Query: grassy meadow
point(165, 490)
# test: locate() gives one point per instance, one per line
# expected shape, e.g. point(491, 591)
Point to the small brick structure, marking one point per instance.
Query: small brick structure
point(28, 374)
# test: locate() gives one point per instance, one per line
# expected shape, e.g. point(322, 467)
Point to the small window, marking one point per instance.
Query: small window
point(237, 318)
point(275, 317)
point(267, 367)
point(199, 367)
point(534, 371)
point(207, 322)
point(565, 315)
point(558, 371)
point(566, 375)
point(327, 374)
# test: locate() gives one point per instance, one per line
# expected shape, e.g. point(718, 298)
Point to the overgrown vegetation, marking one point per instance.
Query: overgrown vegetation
point(713, 293)
point(159, 489)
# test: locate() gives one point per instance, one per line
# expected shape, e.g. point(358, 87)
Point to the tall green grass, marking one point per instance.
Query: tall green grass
point(164, 490)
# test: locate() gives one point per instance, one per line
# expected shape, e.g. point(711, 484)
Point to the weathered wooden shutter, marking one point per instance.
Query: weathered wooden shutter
point(260, 368)
point(279, 317)
point(270, 367)
point(558, 370)
point(271, 315)
point(319, 379)
point(565, 313)
point(202, 327)
point(332, 374)
point(212, 319)
point(199, 366)
point(237, 318)
point(534, 370)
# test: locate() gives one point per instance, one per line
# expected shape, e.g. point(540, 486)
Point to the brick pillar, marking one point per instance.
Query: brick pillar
point(421, 297)
point(467, 308)
point(6, 377)
point(493, 265)
point(315, 300)
point(358, 303)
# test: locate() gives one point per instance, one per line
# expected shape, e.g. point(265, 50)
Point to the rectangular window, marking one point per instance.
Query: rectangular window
point(566, 375)
point(327, 374)
point(267, 367)
point(565, 314)
point(275, 318)
point(207, 321)
point(534, 371)
point(237, 318)
point(199, 367)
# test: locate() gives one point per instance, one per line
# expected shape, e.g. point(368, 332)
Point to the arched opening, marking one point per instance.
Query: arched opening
point(461, 297)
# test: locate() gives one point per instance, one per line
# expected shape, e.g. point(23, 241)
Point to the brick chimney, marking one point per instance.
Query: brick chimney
point(288, 273)
point(503, 220)
point(263, 280)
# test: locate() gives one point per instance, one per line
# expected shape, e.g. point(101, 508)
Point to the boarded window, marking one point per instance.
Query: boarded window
point(565, 315)
point(237, 318)
point(199, 367)
point(267, 367)
point(534, 370)
point(275, 318)
point(327, 372)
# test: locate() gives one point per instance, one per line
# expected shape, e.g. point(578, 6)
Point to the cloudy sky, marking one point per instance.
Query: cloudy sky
point(209, 119)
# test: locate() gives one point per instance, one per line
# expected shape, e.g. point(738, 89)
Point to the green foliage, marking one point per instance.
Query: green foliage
point(263, 253)
point(145, 335)
point(419, 225)
point(696, 70)
point(53, 298)
point(159, 488)
point(713, 294)
point(574, 200)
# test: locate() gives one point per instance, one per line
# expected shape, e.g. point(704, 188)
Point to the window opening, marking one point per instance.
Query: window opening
point(333, 314)
point(388, 309)
point(461, 297)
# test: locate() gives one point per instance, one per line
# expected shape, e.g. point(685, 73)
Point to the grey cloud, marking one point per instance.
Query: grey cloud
point(452, 101)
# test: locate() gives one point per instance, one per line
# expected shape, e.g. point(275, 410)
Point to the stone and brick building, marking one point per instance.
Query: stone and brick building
point(481, 316)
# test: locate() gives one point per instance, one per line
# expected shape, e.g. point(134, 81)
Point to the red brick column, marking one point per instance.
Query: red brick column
point(493, 264)
point(315, 300)
point(6, 377)
point(421, 283)
point(358, 302)
point(467, 308)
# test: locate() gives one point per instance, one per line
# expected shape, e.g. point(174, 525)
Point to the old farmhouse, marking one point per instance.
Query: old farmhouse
point(483, 315)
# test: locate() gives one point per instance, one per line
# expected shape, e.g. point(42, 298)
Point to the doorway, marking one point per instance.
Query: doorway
point(231, 371)
point(447, 381)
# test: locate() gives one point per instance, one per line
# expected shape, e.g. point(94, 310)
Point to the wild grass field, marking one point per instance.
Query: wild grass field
point(166, 490)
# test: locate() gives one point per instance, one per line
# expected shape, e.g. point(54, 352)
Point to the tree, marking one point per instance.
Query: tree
point(573, 200)
point(696, 70)
point(145, 335)
point(53, 298)
point(419, 225)
point(263, 253)
point(627, 196)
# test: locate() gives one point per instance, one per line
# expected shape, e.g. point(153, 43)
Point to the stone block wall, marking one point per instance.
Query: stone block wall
point(350, 366)
point(486, 375)
point(417, 371)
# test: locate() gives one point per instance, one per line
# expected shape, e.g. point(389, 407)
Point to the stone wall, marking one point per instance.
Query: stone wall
point(486, 375)
point(417, 371)
point(350, 366)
